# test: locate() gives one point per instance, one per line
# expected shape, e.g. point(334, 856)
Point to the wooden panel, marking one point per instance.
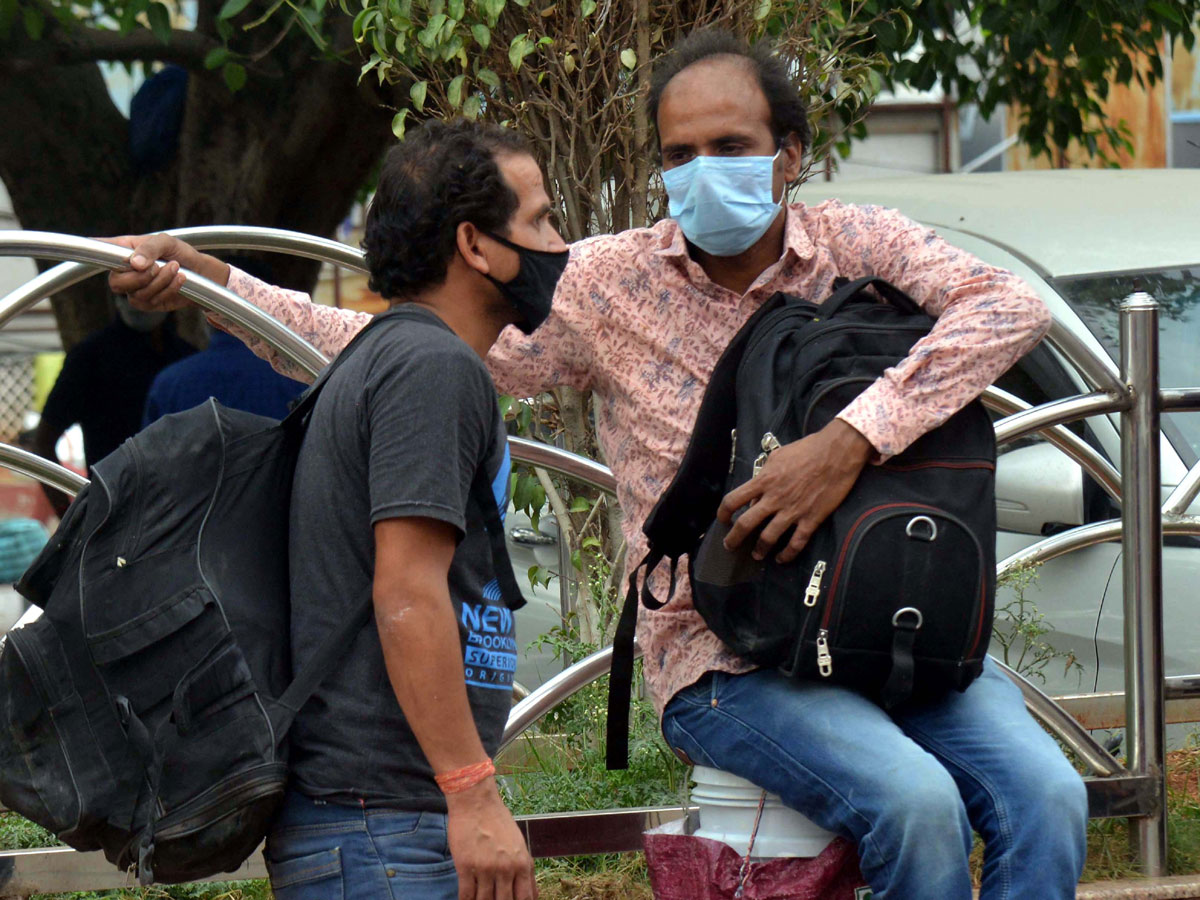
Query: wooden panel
point(1185, 78)
point(1144, 111)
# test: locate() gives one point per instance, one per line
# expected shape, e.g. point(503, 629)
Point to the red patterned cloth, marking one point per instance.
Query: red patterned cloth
point(686, 867)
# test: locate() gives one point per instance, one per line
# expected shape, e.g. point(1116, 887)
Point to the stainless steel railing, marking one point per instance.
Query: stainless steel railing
point(1134, 790)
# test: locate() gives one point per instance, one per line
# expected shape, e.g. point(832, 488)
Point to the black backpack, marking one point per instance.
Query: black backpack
point(145, 713)
point(894, 593)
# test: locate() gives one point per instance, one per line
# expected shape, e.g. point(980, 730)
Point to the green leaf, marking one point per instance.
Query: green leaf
point(216, 57)
point(398, 123)
point(417, 93)
point(587, 7)
point(271, 10)
point(762, 10)
point(538, 498)
point(472, 106)
point(160, 22)
point(429, 36)
point(524, 492)
point(577, 560)
point(591, 543)
point(457, 9)
point(302, 16)
point(224, 29)
point(454, 93)
point(35, 22)
point(580, 504)
point(1167, 11)
point(520, 48)
point(628, 58)
point(488, 77)
point(368, 66)
point(232, 8)
point(359, 28)
point(235, 76)
point(482, 35)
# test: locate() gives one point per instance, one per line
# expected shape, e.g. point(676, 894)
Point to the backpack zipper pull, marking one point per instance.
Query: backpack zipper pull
point(824, 657)
point(813, 591)
point(770, 444)
point(732, 449)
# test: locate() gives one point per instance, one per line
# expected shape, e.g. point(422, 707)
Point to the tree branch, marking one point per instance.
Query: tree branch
point(84, 45)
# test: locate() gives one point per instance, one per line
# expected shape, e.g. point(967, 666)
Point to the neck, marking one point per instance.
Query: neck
point(737, 273)
point(467, 311)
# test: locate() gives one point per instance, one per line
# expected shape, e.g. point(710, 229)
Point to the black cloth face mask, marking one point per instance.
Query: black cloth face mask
point(531, 291)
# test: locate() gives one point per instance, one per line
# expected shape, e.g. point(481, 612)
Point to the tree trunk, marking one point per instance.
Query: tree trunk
point(290, 150)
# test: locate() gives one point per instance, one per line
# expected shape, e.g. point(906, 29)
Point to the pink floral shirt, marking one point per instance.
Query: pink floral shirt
point(639, 323)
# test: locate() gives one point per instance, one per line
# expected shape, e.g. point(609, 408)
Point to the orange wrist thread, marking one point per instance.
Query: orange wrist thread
point(465, 778)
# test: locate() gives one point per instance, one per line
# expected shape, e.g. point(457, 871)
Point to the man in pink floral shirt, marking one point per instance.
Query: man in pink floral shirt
point(640, 319)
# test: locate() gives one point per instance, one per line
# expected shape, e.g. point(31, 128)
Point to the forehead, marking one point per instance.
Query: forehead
point(714, 97)
point(520, 171)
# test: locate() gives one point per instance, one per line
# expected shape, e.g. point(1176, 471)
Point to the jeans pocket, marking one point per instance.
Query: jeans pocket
point(417, 862)
point(681, 740)
point(315, 876)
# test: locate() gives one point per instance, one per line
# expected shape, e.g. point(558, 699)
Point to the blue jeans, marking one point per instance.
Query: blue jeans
point(906, 786)
point(323, 851)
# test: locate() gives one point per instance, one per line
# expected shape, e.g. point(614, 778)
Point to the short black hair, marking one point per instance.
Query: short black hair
point(788, 112)
point(442, 174)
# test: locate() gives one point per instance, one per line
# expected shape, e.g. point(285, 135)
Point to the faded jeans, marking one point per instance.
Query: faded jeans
point(907, 786)
point(324, 851)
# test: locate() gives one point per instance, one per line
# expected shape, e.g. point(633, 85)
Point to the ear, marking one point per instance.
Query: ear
point(470, 248)
point(793, 157)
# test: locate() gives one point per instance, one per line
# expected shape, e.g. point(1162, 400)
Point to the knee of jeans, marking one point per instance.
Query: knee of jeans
point(1059, 797)
point(928, 802)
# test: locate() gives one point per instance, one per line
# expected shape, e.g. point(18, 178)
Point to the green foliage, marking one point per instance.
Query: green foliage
point(1055, 61)
point(1020, 629)
point(17, 833)
point(212, 890)
point(576, 777)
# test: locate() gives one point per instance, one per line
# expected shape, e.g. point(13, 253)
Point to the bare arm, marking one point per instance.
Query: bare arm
point(416, 623)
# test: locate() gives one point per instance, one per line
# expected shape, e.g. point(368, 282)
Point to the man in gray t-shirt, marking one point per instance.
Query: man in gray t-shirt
point(393, 790)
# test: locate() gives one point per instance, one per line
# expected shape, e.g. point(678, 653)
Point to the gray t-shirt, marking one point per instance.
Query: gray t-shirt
point(400, 429)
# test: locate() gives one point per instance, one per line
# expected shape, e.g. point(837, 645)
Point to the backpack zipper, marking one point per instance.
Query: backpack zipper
point(770, 444)
point(813, 591)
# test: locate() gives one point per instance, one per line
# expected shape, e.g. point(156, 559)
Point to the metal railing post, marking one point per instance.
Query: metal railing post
point(1142, 569)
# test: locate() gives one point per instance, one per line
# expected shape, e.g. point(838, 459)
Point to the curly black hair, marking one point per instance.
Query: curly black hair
point(789, 115)
point(443, 174)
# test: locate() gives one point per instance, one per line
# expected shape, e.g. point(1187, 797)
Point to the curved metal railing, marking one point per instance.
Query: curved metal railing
point(1110, 395)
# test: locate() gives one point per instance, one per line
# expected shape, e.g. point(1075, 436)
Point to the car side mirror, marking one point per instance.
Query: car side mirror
point(1038, 486)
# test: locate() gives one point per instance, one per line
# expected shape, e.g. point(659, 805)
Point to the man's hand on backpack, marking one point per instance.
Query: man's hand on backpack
point(800, 485)
point(489, 851)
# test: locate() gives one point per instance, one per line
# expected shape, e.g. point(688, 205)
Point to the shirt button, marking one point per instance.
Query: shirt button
point(391, 873)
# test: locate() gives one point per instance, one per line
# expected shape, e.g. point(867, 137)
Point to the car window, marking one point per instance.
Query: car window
point(1097, 300)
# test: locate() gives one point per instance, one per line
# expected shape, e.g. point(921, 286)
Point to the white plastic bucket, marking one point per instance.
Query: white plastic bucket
point(728, 805)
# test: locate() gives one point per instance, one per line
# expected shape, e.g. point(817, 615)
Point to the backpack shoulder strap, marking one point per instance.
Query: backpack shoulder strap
point(844, 290)
point(333, 648)
point(688, 505)
point(297, 417)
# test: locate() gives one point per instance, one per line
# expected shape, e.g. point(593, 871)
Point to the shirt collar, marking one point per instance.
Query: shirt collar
point(796, 241)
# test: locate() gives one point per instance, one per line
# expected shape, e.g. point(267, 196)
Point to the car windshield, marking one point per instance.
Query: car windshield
point(1097, 300)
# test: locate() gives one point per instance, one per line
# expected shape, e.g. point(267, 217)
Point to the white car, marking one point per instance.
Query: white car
point(1085, 239)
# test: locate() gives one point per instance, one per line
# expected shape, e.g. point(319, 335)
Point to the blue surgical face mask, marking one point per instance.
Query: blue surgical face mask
point(723, 204)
